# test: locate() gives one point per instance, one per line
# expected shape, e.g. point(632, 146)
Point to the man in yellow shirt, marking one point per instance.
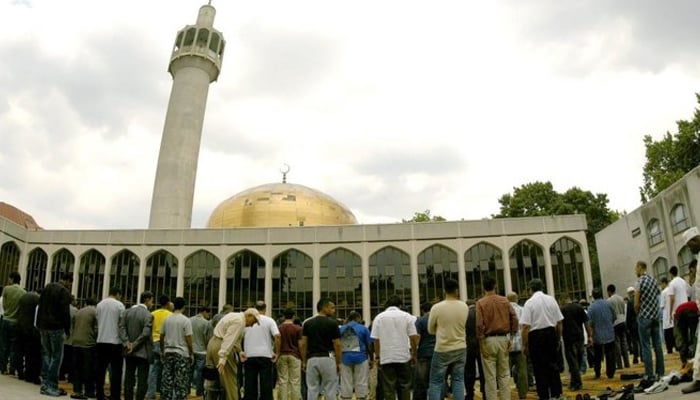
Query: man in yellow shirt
point(154, 371)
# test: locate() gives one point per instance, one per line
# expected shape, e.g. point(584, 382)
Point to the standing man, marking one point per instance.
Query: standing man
point(646, 306)
point(10, 304)
point(495, 322)
point(177, 353)
point(666, 318)
point(289, 363)
point(621, 352)
point(691, 237)
point(321, 353)
point(575, 319)
point(602, 316)
point(53, 321)
point(426, 348)
point(110, 348)
point(395, 341)
point(631, 325)
point(135, 330)
point(261, 347)
point(542, 330)
point(518, 361)
point(156, 368)
point(224, 346)
point(84, 340)
point(28, 339)
point(201, 334)
point(473, 360)
point(357, 346)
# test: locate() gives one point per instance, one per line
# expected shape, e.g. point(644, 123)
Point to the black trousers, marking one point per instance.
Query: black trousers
point(258, 378)
point(633, 341)
point(29, 353)
point(686, 327)
point(85, 359)
point(574, 352)
point(622, 358)
point(669, 340)
point(543, 347)
point(472, 363)
point(136, 372)
point(606, 350)
point(109, 355)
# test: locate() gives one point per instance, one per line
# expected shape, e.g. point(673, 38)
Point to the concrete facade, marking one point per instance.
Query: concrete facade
point(652, 233)
point(456, 241)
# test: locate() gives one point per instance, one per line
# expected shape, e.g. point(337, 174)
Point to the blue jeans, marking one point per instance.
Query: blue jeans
point(154, 372)
point(650, 335)
point(441, 362)
point(200, 360)
point(51, 357)
point(8, 352)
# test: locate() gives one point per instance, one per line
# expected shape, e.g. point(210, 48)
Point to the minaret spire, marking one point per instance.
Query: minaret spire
point(195, 62)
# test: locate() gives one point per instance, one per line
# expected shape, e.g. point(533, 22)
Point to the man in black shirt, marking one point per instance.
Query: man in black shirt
point(53, 321)
point(321, 353)
point(575, 318)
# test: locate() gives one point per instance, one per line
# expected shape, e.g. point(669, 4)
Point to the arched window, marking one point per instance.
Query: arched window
point(292, 284)
point(660, 268)
point(63, 263)
point(341, 281)
point(526, 263)
point(389, 274)
point(202, 281)
point(214, 44)
point(245, 280)
point(685, 256)
point(189, 37)
point(178, 43)
point(679, 219)
point(203, 37)
point(36, 269)
point(124, 273)
point(567, 268)
point(481, 260)
point(656, 235)
point(91, 276)
point(161, 274)
point(436, 264)
point(9, 260)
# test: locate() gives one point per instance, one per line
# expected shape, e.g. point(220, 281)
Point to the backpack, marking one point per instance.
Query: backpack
point(349, 340)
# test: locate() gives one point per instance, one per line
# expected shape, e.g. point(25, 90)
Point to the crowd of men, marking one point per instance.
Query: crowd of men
point(44, 338)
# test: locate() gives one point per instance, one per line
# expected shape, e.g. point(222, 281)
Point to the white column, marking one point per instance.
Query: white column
point(415, 287)
point(366, 292)
point(316, 283)
point(462, 275)
point(507, 279)
point(180, 289)
point(549, 275)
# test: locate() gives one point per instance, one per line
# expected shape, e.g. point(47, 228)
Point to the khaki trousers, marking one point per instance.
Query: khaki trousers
point(229, 379)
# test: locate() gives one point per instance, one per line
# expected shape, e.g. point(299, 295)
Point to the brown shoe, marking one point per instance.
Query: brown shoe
point(692, 388)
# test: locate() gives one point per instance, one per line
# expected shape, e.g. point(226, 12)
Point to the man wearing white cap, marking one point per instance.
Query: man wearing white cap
point(691, 237)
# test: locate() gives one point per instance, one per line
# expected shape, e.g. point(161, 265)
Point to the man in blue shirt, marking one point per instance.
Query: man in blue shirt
point(357, 346)
point(424, 354)
point(602, 317)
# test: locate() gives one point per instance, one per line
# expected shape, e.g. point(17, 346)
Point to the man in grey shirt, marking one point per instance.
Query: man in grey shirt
point(110, 348)
point(135, 330)
point(177, 353)
point(619, 306)
point(202, 331)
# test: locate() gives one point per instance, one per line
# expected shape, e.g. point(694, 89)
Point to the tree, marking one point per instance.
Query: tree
point(671, 157)
point(540, 199)
point(424, 217)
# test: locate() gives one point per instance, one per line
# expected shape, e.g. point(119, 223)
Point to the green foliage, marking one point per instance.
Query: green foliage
point(671, 157)
point(540, 199)
point(423, 217)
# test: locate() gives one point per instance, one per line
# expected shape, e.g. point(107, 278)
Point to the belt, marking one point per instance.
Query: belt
point(317, 355)
point(496, 334)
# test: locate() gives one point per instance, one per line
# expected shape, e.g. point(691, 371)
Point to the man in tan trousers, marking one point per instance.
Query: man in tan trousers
point(224, 346)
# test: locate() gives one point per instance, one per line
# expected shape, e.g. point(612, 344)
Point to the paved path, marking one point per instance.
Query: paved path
point(13, 389)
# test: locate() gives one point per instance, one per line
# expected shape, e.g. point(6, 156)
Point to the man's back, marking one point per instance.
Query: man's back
point(447, 321)
point(137, 323)
point(572, 326)
point(202, 331)
point(108, 312)
point(392, 328)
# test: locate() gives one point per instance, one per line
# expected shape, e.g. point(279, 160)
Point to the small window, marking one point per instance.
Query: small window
point(685, 256)
point(203, 37)
point(214, 44)
point(636, 232)
point(189, 37)
point(655, 232)
point(660, 268)
point(679, 219)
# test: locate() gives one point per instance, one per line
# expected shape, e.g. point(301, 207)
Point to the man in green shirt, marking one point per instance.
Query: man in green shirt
point(10, 303)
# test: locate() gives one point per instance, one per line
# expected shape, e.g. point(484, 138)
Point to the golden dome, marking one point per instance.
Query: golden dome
point(280, 204)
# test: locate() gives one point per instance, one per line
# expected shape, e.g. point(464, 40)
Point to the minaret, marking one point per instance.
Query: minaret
point(195, 63)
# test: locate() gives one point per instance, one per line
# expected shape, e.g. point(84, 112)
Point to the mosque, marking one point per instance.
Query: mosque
point(282, 242)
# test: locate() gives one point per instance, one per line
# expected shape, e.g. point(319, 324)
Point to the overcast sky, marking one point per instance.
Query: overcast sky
point(391, 107)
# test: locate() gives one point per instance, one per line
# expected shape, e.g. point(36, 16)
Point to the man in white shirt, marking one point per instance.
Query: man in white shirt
point(109, 348)
point(261, 347)
point(541, 336)
point(395, 342)
point(677, 291)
